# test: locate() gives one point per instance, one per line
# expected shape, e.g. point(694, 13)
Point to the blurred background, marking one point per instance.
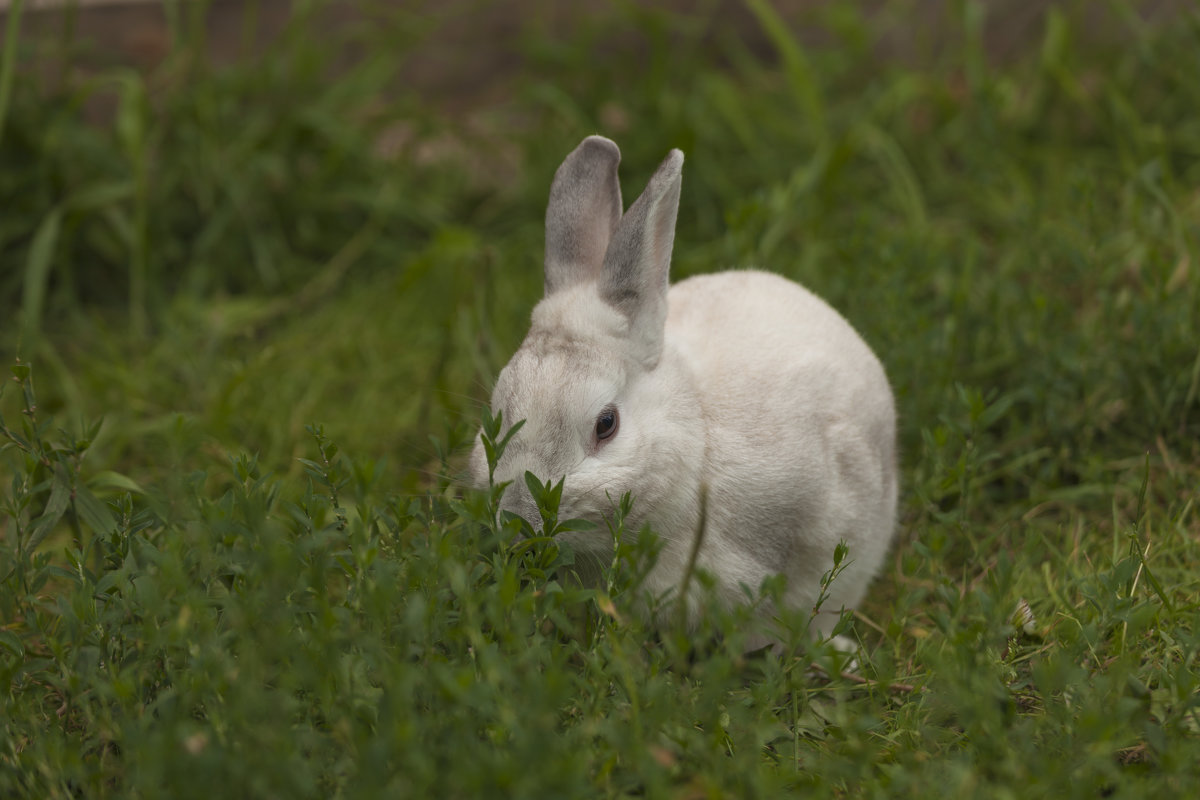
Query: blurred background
point(223, 220)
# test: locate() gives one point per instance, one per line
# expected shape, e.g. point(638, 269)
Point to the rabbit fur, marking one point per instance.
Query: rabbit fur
point(740, 382)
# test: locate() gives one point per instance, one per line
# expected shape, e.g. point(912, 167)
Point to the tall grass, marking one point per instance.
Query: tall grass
point(201, 593)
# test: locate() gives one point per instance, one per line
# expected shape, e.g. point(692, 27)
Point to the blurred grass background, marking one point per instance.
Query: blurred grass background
point(333, 212)
point(220, 222)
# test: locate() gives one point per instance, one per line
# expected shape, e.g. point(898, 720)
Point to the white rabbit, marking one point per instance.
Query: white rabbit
point(741, 382)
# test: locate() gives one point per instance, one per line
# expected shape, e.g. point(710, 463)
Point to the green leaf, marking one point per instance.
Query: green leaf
point(60, 573)
point(109, 581)
point(93, 513)
point(536, 487)
point(574, 525)
point(109, 479)
point(56, 506)
point(503, 443)
point(12, 643)
point(315, 469)
point(492, 448)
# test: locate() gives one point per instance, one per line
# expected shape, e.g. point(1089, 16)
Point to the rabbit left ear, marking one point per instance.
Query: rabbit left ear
point(637, 265)
point(584, 209)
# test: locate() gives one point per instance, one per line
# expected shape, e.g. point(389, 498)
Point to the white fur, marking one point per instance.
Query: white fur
point(743, 383)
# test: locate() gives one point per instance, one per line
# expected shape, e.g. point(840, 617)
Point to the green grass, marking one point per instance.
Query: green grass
point(218, 271)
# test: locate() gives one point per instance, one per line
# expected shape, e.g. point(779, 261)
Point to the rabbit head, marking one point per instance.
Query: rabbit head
point(602, 406)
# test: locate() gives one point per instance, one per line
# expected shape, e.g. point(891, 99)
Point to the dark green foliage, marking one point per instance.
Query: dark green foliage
point(211, 257)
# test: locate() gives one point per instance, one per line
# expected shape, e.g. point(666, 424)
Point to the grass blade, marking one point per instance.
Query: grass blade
point(799, 72)
point(37, 277)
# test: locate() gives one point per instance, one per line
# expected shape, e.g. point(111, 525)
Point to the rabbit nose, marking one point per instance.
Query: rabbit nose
point(519, 501)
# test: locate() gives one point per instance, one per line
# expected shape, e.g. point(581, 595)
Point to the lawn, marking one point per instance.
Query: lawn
point(253, 305)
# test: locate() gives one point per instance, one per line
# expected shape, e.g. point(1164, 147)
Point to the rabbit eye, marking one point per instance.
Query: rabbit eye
point(607, 423)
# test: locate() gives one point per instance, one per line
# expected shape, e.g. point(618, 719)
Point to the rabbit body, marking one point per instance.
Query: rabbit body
point(800, 435)
point(741, 388)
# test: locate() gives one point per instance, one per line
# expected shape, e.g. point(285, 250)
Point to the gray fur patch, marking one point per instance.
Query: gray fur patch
point(584, 210)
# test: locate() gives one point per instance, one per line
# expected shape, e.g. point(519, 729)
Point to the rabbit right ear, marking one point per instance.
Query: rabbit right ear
point(584, 209)
point(638, 262)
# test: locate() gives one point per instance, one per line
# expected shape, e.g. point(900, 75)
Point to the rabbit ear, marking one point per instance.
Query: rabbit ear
point(584, 209)
point(638, 262)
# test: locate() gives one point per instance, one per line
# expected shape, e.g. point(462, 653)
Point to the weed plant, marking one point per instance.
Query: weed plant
point(201, 594)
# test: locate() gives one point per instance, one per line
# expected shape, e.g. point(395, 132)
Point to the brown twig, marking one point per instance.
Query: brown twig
point(897, 688)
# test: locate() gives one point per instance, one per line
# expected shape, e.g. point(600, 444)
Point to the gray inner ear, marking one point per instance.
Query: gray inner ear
point(637, 265)
point(584, 210)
